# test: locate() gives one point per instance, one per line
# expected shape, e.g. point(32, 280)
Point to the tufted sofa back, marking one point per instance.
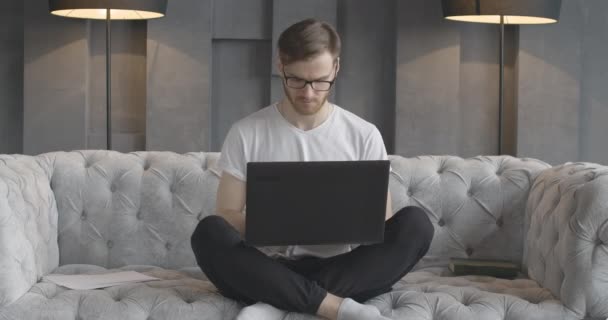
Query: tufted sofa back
point(477, 205)
point(138, 208)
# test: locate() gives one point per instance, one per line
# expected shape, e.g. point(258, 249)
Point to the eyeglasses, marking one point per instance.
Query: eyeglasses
point(317, 85)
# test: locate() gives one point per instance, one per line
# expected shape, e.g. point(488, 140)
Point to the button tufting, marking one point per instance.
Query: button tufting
point(168, 246)
point(147, 165)
point(499, 222)
point(83, 216)
point(172, 188)
point(469, 251)
point(139, 215)
point(113, 188)
point(441, 222)
point(410, 193)
point(110, 244)
point(200, 216)
point(470, 193)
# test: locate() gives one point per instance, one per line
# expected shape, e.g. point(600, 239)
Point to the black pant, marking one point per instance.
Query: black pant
point(244, 273)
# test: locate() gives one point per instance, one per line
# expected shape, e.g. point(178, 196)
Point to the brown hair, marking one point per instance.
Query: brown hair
point(307, 39)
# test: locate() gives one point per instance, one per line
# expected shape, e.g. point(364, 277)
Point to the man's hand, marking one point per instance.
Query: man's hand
point(389, 206)
point(231, 201)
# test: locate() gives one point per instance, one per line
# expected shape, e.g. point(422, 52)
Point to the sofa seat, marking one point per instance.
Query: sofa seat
point(429, 293)
point(183, 294)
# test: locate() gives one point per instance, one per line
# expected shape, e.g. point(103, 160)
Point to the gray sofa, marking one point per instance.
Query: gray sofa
point(94, 211)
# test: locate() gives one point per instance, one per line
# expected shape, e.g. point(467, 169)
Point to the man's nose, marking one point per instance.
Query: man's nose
point(308, 90)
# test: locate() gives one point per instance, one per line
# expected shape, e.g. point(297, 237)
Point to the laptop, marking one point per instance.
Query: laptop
point(316, 202)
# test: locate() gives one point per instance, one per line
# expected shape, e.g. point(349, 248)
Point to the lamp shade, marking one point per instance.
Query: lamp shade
point(119, 9)
point(513, 11)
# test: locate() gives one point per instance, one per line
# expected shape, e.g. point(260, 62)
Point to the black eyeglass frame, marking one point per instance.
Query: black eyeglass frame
point(306, 82)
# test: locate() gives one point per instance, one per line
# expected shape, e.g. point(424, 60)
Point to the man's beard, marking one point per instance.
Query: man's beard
point(302, 107)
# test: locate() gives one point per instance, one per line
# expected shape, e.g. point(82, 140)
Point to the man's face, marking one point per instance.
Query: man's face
point(307, 101)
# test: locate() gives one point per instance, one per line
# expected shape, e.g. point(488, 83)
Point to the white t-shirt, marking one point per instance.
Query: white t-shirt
point(267, 136)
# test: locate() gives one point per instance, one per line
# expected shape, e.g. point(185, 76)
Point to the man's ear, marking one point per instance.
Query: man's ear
point(279, 66)
point(337, 65)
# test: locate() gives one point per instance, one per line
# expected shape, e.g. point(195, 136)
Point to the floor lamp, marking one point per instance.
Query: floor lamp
point(109, 10)
point(502, 12)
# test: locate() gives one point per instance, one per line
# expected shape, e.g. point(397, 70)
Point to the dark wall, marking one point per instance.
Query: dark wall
point(11, 76)
point(430, 85)
point(563, 97)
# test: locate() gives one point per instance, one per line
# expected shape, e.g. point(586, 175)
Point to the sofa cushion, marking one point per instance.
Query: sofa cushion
point(184, 294)
point(431, 293)
point(28, 225)
point(187, 294)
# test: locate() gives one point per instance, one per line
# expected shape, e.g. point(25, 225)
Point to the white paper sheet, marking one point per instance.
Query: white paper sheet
point(95, 281)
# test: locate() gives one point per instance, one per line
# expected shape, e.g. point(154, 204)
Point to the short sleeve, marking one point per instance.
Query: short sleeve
point(374, 148)
point(232, 158)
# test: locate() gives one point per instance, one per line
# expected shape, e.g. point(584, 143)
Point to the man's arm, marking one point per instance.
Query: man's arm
point(231, 201)
point(389, 206)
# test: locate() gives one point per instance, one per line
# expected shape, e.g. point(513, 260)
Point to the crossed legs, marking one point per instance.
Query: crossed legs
point(244, 273)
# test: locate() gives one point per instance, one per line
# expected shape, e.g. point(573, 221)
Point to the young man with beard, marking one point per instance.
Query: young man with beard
point(331, 281)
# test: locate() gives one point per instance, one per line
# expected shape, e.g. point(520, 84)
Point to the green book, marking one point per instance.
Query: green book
point(492, 268)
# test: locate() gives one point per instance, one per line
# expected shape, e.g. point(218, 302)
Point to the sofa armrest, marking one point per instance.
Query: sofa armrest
point(28, 226)
point(566, 236)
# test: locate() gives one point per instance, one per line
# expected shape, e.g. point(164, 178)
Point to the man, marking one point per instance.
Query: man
point(328, 280)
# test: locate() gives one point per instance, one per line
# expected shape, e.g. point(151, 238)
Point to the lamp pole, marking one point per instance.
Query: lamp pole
point(501, 94)
point(108, 81)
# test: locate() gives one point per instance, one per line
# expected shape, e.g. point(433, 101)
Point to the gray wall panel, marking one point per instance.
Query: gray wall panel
point(178, 73)
point(242, 19)
point(55, 78)
point(594, 96)
point(240, 83)
point(128, 85)
point(366, 82)
point(479, 89)
point(11, 77)
point(427, 85)
point(550, 87)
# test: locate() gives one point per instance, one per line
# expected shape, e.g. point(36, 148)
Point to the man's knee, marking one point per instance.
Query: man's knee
point(415, 226)
point(212, 232)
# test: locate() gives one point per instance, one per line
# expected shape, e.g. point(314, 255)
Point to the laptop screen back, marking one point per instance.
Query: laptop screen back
point(311, 203)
